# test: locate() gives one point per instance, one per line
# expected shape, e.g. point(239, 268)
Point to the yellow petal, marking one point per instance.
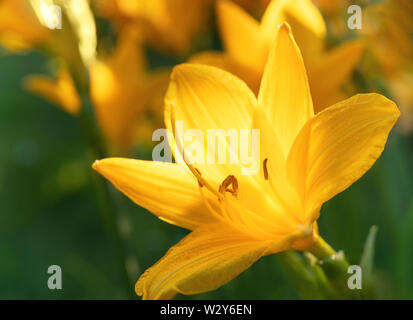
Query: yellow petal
point(241, 35)
point(283, 194)
point(205, 97)
point(284, 94)
point(19, 24)
point(115, 110)
point(61, 92)
point(168, 190)
point(343, 61)
point(305, 20)
point(204, 260)
point(337, 146)
point(116, 90)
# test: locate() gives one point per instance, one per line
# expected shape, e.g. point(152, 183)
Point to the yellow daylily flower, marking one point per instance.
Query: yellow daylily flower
point(61, 91)
point(73, 47)
point(390, 42)
point(235, 219)
point(247, 44)
point(122, 91)
point(24, 24)
point(387, 28)
point(20, 27)
point(167, 24)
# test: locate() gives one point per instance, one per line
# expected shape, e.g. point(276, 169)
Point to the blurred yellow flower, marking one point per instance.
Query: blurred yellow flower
point(388, 29)
point(168, 24)
point(25, 24)
point(61, 92)
point(73, 46)
point(247, 44)
point(122, 91)
point(20, 27)
point(235, 219)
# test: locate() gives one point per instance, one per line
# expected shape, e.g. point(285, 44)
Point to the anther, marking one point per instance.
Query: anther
point(225, 185)
point(264, 166)
point(201, 181)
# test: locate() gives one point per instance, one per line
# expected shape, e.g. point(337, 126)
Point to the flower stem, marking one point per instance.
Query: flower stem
point(321, 249)
point(335, 266)
point(96, 150)
point(308, 279)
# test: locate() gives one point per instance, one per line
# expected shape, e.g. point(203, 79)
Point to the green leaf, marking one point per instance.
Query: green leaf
point(367, 258)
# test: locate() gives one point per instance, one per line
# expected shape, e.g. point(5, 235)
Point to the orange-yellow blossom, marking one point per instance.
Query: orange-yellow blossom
point(60, 91)
point(73, 47)
point(235, 219)
point(388, 28)
point(247, 43)
point(20, 28)
point(122, 91)
point(167, 24)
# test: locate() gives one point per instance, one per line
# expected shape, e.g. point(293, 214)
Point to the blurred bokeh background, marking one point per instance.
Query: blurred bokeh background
point(50, 213)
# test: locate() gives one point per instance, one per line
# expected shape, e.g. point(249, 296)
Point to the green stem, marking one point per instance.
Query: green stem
point(335, 267)
point(322, 250)
point(96, 150)
point(307, 278)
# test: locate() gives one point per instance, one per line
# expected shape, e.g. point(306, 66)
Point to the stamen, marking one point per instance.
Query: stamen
point(225, 186)
point(208, 205)
point(201, 181)
point(264, 166)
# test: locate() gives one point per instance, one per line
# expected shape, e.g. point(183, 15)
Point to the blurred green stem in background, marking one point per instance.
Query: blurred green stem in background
point(97, 150)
